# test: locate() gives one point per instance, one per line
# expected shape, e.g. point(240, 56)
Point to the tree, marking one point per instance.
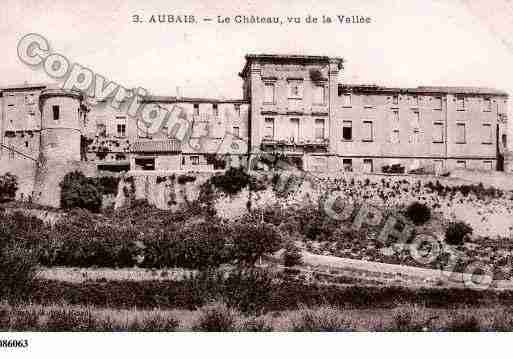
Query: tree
point(8, 187)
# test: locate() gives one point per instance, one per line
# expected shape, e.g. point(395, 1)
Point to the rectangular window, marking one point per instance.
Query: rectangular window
point(318, 95)
point(488, 165)
point(347, 100)
point(438, 166)
point(415, 102)
point(460, 103)
point(416, 120)
point(269, 128)
point(460, 133)
point(195, 160)
point(236, 131)
point(294, 126)
point(347, 164)
point(29, 99)
point(269, 93)
point(367, 131)
point(395, 99)
point(295, 89)
point(487, 133)
point(101, 130)
point(438, 103)
point(215, 110)
point(237, 109)
point(395, 116)
point(487, 104)
point(438, 132)
point(121, 130)
point(347, 130)
point(319, 129)
point(196, 109)
point(394, 137)
point(56, 112)
point(415, 139)
point(368, 166)
point(461, 164)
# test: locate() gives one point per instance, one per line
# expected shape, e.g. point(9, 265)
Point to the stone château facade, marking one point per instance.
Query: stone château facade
point(292, 105)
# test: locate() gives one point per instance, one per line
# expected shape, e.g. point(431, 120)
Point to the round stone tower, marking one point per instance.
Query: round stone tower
point(61, 125)
point(62, 119)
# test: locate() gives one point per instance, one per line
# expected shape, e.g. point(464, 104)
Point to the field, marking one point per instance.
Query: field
point(266, 253)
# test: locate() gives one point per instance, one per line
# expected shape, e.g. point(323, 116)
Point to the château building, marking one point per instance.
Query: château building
point(292, 105)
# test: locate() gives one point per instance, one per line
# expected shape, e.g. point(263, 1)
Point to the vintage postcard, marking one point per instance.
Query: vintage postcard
point(262, 166)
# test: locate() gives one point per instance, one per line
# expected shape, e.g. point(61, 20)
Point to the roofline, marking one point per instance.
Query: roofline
point(174, 99)
point(289, 57)
point(26, 86)
point(463, 90)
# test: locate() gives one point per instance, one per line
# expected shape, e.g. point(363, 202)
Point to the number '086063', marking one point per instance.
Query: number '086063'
point(13, 343)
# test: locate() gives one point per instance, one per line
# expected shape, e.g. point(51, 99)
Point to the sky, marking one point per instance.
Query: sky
point(407, 43)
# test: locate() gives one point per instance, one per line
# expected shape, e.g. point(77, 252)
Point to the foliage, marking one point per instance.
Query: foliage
point(251, 241)
point(8, 187)
point(183, 179)
point(419, 213)
point(17, 270)
point(456, 232)
point(324, 319)
point(216, 317)
point(291, 256)
point(77, 191)
point(395, 168)
point(232, 181)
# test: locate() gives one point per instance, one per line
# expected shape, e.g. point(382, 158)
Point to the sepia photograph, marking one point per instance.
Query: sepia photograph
point(193, 167)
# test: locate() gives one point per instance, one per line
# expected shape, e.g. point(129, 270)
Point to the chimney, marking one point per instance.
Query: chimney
point(178, 93)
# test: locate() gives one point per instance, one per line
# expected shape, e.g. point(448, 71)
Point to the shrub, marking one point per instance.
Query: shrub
point(155, 322)
point(395, 168)
point(419, 213)
point(248, 289)
point(291, 256)
point(232, 181)
point(256, 324)
point(77, 191)
point(8, 187)
point(324, 319)
point(252, 241)
point(216, 317)
point(183, 179)
point(17, 271)
point(65, 320)
point(456, 232)
point(463, 323)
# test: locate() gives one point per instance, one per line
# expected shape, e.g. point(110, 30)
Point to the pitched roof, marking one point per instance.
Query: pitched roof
point(153, 146)
point(463, 90)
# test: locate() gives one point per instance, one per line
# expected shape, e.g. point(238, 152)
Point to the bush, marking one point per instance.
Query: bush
point(251, 241)
point(419, 213)
point(8, 187)
point(216, 318)
point(324, 319)
point(17, 271)
point(395, 168)
point(78, 191)
point(232, 181)
point(291, 256)
point(183, 179)
point(457, 232)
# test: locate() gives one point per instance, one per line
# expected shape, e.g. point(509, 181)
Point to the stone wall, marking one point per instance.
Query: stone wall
point(164, 190)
